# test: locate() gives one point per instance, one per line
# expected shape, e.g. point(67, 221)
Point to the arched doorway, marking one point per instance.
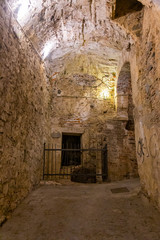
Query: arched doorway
point(124, 95)
point(125, 109)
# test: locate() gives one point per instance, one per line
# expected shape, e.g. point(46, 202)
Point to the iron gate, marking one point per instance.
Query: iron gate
point(74, 163)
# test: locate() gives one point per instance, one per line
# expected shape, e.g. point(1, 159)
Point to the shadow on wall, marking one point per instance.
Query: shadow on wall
point(124, 7)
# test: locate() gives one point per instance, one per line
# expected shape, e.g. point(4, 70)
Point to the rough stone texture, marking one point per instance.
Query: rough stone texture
point(70, 26)
point(84, 47)
point(23, 107)
point(78, 106)
point(147, 114)
point(133, 23)
point(124, 7)
point(144, 59)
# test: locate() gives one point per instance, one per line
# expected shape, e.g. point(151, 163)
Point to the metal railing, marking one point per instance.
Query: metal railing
point(66, 163)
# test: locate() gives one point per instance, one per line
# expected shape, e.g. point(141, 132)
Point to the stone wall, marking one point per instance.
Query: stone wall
point(23, 109)
point(77, 102)
point(144, 58)
point(132, 22)
point(147, 113)
point(78, 106)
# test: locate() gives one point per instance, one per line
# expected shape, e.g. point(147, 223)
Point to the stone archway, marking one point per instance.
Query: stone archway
point(125, 109)
point(123, 7)
point(124, 94)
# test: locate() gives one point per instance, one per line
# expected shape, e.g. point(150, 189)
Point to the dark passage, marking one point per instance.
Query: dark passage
point(124, 7)
point(71, 157)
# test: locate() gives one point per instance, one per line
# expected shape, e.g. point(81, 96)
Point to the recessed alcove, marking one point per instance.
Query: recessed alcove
point(71, 142)
point(124, 7)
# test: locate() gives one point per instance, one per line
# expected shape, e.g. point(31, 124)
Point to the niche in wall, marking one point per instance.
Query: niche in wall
point(123, 7)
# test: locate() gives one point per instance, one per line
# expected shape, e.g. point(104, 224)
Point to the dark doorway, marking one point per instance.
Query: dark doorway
point(123, 7)
point(104, 164)
point(72, 157)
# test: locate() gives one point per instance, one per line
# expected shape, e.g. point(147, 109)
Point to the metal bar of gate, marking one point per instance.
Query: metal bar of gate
point(66, 164)
point(48, 161)
point(60, 149)
point(63, 158)
point(55, 161)
point(52, 161)
point(61, 174)
point(44, 160)
point(67, 159)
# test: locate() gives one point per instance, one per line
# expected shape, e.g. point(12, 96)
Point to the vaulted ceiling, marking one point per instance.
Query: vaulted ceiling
point(60, 29)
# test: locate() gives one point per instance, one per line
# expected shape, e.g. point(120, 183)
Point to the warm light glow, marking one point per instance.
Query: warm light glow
point(105, 94)
point(23, 9)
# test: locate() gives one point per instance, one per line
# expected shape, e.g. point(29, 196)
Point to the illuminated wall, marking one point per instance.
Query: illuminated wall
point(85, 104)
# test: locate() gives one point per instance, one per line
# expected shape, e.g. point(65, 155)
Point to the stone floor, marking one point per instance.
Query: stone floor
point(70, 211)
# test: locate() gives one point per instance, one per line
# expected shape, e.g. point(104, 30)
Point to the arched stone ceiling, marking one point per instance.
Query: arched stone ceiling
point(69, 22)
point(62, 28)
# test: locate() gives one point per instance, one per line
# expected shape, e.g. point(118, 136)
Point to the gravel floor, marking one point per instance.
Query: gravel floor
point(68, 211)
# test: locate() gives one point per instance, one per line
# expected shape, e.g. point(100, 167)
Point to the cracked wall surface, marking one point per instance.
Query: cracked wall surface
point(23, 111)
point(53, 54)
point(144, 59)
point(147, 111)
